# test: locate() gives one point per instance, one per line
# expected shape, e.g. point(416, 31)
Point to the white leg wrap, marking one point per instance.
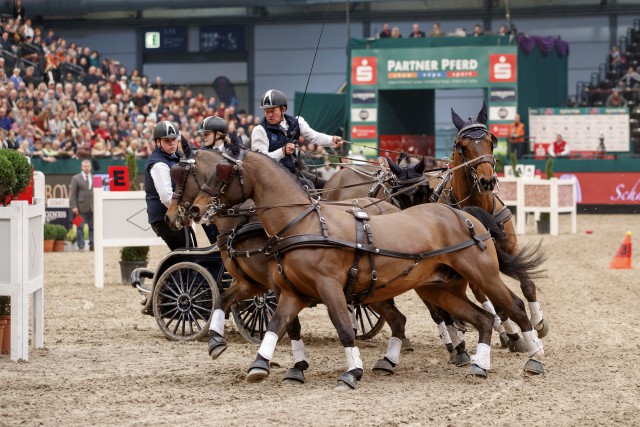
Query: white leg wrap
point(393, 350)
point(268, 345)
point(299, 352)
point(536, 313)
point(533, 342)
point(510, 327)
point(352, 316)
point(353, 358)
point(489, 307)
point(456, 336)
point(444, 333)
point(482, 358)
point(217, 322)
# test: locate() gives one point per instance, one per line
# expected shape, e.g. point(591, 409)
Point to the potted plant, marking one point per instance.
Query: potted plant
point(59, 235)
point(132, 257)
point(5, 315)
point(49, 236)
point(544, 223)
point(15, 174)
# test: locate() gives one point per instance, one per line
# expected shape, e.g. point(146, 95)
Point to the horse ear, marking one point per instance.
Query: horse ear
point(419, 168)
point(457, 121)
point(394, 167)
point(482, 115)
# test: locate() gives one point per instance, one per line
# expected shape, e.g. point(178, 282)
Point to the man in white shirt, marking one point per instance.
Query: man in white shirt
point(278, 133)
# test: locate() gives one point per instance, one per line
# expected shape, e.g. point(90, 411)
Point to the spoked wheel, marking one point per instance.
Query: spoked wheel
point(369, 322)
point(252, 316)
point(183, 300)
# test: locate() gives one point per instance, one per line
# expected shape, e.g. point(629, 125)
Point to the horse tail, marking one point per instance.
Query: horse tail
point(522, 266)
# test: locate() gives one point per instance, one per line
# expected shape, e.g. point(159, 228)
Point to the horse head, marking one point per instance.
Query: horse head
point(474, 146)
point(413, 188)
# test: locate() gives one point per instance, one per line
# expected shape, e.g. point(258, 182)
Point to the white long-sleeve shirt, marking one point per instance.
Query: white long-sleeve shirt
point(260, 141)
point(161, 175)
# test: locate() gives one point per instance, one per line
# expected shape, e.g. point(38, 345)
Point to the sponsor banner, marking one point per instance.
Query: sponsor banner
point(364, 70)
point(364, 132)
point(581, 128)
point(499, 130)
point(453, 67)
point(606, 188)
point(359, 96)
point(364, 115)
point(502, 94)
point(504, 113)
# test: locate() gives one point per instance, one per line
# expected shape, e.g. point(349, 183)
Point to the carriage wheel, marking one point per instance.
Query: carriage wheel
point(183, 299)
point(369, 322)
point(252, 316)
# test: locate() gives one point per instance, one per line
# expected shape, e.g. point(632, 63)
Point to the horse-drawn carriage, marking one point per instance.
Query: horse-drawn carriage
point(185, 285)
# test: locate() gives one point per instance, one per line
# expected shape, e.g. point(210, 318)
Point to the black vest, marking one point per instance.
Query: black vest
point(156, 210)
point(278, 138)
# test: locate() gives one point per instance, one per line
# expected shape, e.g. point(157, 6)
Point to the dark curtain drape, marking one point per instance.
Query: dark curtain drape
point(325, 112)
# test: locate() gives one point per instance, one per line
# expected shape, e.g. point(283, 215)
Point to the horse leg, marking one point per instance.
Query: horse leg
point(289, 305)
point(454, 301)
point(396, 321)
point(239, 291)
point(295, 375)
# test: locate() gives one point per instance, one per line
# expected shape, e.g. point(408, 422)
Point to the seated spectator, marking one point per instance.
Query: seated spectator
point(559, 148)
point(386, 31)
point(416, 33)
point(477, 31)
point(436, 32)
point(631, 78)
point(615, 100)
point(395, 33)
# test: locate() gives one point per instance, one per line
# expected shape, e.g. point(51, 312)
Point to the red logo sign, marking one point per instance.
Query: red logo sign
point(500, 131)
point(118, 178)
point(364, 132)
point(502, 67)
point(364, 70)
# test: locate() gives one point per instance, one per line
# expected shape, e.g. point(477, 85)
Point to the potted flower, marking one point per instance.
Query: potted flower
point(132, 257)
point(59, 235)
point(544, 223)
point(49, 236)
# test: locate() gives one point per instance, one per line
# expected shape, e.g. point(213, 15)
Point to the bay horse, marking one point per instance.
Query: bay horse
point(473, 185)
point(240, 241)
point(431, 248)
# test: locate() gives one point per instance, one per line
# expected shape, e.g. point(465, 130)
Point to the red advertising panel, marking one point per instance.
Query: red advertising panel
point(118, 178)
point(422, 145)
point(606, 188)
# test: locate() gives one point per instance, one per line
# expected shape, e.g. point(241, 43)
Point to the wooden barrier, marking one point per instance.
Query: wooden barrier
point(22, 271)
point(536, 196)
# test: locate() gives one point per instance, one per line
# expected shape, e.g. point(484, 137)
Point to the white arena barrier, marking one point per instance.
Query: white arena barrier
point(22, 271)
point(540, 195)
point(119, 219)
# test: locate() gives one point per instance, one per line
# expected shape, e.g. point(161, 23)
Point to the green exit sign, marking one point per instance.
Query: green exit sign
point(152, 40)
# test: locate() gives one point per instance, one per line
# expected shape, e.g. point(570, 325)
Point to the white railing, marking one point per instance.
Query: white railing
point(22, 271)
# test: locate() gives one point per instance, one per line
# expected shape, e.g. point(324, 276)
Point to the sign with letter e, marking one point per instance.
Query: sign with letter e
point(118, 178)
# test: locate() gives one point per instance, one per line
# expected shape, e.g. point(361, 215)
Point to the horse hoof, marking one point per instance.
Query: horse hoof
point(533, 367)
point(255, 375)
point(542, 328)
point(504, 340)
point(462, 359)
point(347, 381)
point(294, 376)
point(383, 367)
point(477, 371)
point(406, 345)
point(518, 346)
point(217, 345)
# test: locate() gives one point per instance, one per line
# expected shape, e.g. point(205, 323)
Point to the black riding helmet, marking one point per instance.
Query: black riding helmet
point(273, 98)
point(213, 124)
point(166, 129)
